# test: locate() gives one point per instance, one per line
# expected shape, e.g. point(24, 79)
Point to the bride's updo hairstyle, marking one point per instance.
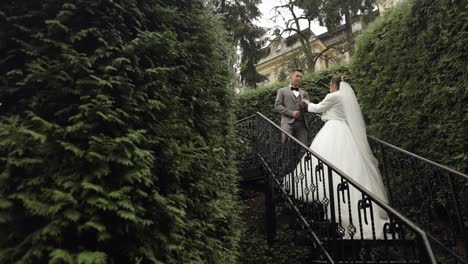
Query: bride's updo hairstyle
point(337, 79)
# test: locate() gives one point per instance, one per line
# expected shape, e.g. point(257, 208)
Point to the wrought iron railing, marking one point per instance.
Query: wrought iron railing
point(434, 196)
point(411, 180)
point(245, 136)
point(321, 195)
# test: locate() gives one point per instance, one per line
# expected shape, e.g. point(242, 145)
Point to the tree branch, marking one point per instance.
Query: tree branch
point(327, 49)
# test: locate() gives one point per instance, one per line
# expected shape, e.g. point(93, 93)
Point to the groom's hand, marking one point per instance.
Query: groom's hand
point(295, 114)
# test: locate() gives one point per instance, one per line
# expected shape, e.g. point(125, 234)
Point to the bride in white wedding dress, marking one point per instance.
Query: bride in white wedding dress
point(342, 141)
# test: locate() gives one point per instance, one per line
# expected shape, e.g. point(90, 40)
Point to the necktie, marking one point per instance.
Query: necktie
point(294, 88)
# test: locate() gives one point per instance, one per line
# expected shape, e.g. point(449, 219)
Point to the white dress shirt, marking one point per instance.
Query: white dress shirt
point(296, 93)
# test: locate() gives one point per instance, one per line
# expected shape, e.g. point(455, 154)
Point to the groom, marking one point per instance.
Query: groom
point(288, 104)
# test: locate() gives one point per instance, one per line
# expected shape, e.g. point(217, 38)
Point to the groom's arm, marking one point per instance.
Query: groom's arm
point(279, 107)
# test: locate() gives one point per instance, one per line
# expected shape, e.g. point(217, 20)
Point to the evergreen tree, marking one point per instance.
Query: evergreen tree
point(330, 13)
point(115, 133)
point(238, 19)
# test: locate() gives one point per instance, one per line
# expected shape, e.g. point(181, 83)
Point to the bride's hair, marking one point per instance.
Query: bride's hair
point(337, 79)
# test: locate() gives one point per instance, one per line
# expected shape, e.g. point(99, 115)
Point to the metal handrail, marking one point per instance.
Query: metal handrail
point(359, 186)
point(386, 146)
point(454, 254)
point(450, 170)
point(403, 219)
point(411, 154)
point(460, 218)
point(247, 156)
point(296, 210)
point(244, 119)
point(436, 178)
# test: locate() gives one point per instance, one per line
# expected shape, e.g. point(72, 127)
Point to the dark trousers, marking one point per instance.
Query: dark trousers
point(297, 130)
point(292, 152)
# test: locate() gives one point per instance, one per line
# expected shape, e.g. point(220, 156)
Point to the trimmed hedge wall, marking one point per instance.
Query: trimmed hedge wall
point(116, 133)
point(410, 70)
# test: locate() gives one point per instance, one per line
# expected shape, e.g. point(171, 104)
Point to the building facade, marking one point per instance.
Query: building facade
point(285, 53)
point(327, 49)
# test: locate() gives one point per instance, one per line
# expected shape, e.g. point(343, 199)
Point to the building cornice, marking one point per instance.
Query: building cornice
point(281, 56)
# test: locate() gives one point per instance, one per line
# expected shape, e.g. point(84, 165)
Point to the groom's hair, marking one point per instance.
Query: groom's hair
point(295, 70)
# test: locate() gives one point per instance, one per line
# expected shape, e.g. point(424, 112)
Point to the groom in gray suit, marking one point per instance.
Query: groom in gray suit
point(288, 104)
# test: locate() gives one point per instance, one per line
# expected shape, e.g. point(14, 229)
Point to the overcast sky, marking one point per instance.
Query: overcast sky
point(266, 7)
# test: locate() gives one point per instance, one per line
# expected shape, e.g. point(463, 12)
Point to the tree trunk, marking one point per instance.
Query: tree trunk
point(305, 43)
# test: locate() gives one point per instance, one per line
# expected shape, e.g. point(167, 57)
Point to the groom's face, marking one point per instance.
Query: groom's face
point(295, 78)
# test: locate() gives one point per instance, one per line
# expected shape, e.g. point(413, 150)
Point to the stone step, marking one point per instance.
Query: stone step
point(250, 174)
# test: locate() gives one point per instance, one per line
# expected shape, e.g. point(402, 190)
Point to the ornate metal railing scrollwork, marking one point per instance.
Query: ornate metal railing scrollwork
point(245, 140)
point(433, 196)
point(323, 197)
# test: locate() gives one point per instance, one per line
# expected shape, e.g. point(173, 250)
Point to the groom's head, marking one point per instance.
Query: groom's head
point(295, 77)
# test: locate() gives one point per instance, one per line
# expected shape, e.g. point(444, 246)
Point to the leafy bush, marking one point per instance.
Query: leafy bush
point(115, 126)
point(410, 72)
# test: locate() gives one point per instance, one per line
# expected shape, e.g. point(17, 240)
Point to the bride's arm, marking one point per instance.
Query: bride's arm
point(323, 106)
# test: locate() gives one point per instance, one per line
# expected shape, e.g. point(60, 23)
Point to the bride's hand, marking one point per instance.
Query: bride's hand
point(305, 103)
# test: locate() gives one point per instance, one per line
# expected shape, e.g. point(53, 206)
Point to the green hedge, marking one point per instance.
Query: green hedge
point(115, 133)
point(263, 99)
point(410, 70)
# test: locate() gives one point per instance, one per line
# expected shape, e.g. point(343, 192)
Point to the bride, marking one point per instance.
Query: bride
point(342, 141)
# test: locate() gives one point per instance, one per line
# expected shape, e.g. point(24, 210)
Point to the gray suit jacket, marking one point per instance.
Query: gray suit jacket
point(286, 103)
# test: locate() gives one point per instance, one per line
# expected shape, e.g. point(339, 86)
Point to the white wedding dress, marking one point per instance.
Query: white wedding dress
point(342, 141)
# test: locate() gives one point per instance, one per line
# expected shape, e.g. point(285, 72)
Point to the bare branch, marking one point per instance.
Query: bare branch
point(281, 6)
point(327, 49)
point(293, 25)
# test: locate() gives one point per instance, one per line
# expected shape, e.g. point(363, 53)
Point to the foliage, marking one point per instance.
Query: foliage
point(410, 70)
point(282, 75)
point(330, 13)
point(306, 58)
point(288, 246)
point(238, 17)
point(115, 133)
point(263, 99)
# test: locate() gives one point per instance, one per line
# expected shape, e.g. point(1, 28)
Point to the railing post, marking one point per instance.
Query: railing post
point(424, 247)
point(386, 172)
point(332, 208)
point(270, 210)
point(461, 240)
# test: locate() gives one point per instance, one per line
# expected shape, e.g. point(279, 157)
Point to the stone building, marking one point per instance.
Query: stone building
point(328, 48)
